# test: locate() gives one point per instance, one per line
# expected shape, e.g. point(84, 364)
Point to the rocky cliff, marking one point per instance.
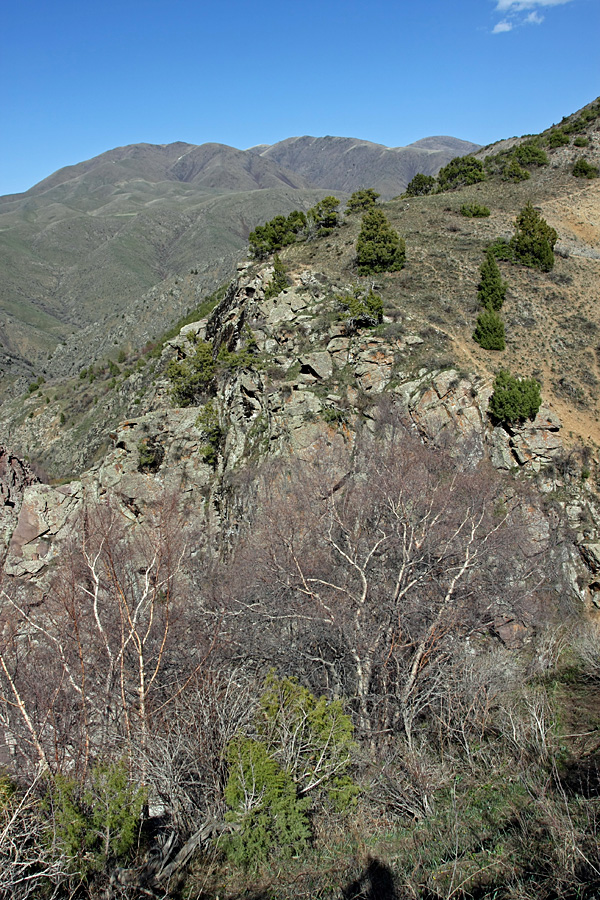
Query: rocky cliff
point(313, 381)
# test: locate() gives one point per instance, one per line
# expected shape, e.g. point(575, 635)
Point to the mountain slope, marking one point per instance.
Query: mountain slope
point(346, 164)
point(80, 248)
point(303, 479)
point(83, 245)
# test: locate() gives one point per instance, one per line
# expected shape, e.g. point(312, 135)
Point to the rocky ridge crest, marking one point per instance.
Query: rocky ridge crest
point(315, 382)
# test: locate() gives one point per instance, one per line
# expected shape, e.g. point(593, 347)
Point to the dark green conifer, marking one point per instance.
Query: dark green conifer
point(362, 200)
point(514, 399)
point(534, 240)
point(420, 185)
point(489, 332)
point(491, 290)
point(379, 248)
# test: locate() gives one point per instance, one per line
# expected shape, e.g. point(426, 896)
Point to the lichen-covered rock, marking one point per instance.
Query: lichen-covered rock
point(447, 409)
point(15, 477)
point(45, 516)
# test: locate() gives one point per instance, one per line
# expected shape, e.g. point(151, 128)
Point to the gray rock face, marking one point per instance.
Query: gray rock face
point(312, 386)
point(44, 518)
point(532, 444)
point(448, 410)
point(15, 478)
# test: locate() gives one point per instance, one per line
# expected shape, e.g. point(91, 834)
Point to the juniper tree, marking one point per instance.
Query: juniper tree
point(514, 399)
point(489, 332)
point(279, 281)
point(362, 200)
point(420, 185)
point(460, 171)
point(491, 290)
point(534, 240)
point(379, 248)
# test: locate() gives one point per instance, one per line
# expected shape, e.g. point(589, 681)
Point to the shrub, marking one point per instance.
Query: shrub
point(192, 376)
point(279, 282)
point(514, 172)
point(278, 233)
point(530, 154)
point(583, 169)
point(501, 249)
point(474, 211)
point(319, 754)
point(534, 240)
point(514, 399)
point(361, 307)
point(489, 332)
point(580, 122)
point(263, 803)
point(581, 141)
point(420, 185)
point(99, 823)
point(324, 215)
point(150, 455)
point(379, 248)
point(461, 170)
point(360, 201)
point(244, 358)
point(491, 290)
point(212, 434)
point(557, 138)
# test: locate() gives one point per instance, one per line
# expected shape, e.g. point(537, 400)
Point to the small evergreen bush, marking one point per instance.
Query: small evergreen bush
point(279, 282)
point(489, 332)
point(514, 399)
point(193, 376)
point(583, 169)
point(514, 172)
point(460, 171)
point(98, 823)
point(276, 234)
point(361, 308)
point(379, 248)
point(557, 138)
point(150, 455)
point(361, 201)
point(534, 240)
point(491, 290)
point(212, 434)
point(420, 185)
point(530, 154)
point(263, 803)
point(324, 216)
point(474, 211)
point(501, 249)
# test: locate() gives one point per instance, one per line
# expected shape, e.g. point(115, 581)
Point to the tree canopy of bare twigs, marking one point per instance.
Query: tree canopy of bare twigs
point(369, 574)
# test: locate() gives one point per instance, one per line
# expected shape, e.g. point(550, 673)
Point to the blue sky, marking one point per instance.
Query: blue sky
point(79, 78)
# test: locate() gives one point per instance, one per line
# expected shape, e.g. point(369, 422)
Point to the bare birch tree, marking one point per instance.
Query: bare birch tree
point(369, 573)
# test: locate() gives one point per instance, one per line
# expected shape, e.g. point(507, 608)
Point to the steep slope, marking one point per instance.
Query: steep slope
point(333, 567)
point(156, 163)
point(347, 164)
point(80, 247)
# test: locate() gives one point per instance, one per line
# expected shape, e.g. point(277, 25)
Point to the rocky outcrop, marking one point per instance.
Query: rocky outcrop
point(532, 444)
point(448, 409)
point(15, 477)
point(45, 518)
point(313, 382)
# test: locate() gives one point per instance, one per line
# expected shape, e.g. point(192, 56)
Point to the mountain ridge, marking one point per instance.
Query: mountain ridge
point(84, 244)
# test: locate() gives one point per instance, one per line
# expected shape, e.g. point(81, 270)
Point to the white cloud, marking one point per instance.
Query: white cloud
point(513, 13)
point(520, 5)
